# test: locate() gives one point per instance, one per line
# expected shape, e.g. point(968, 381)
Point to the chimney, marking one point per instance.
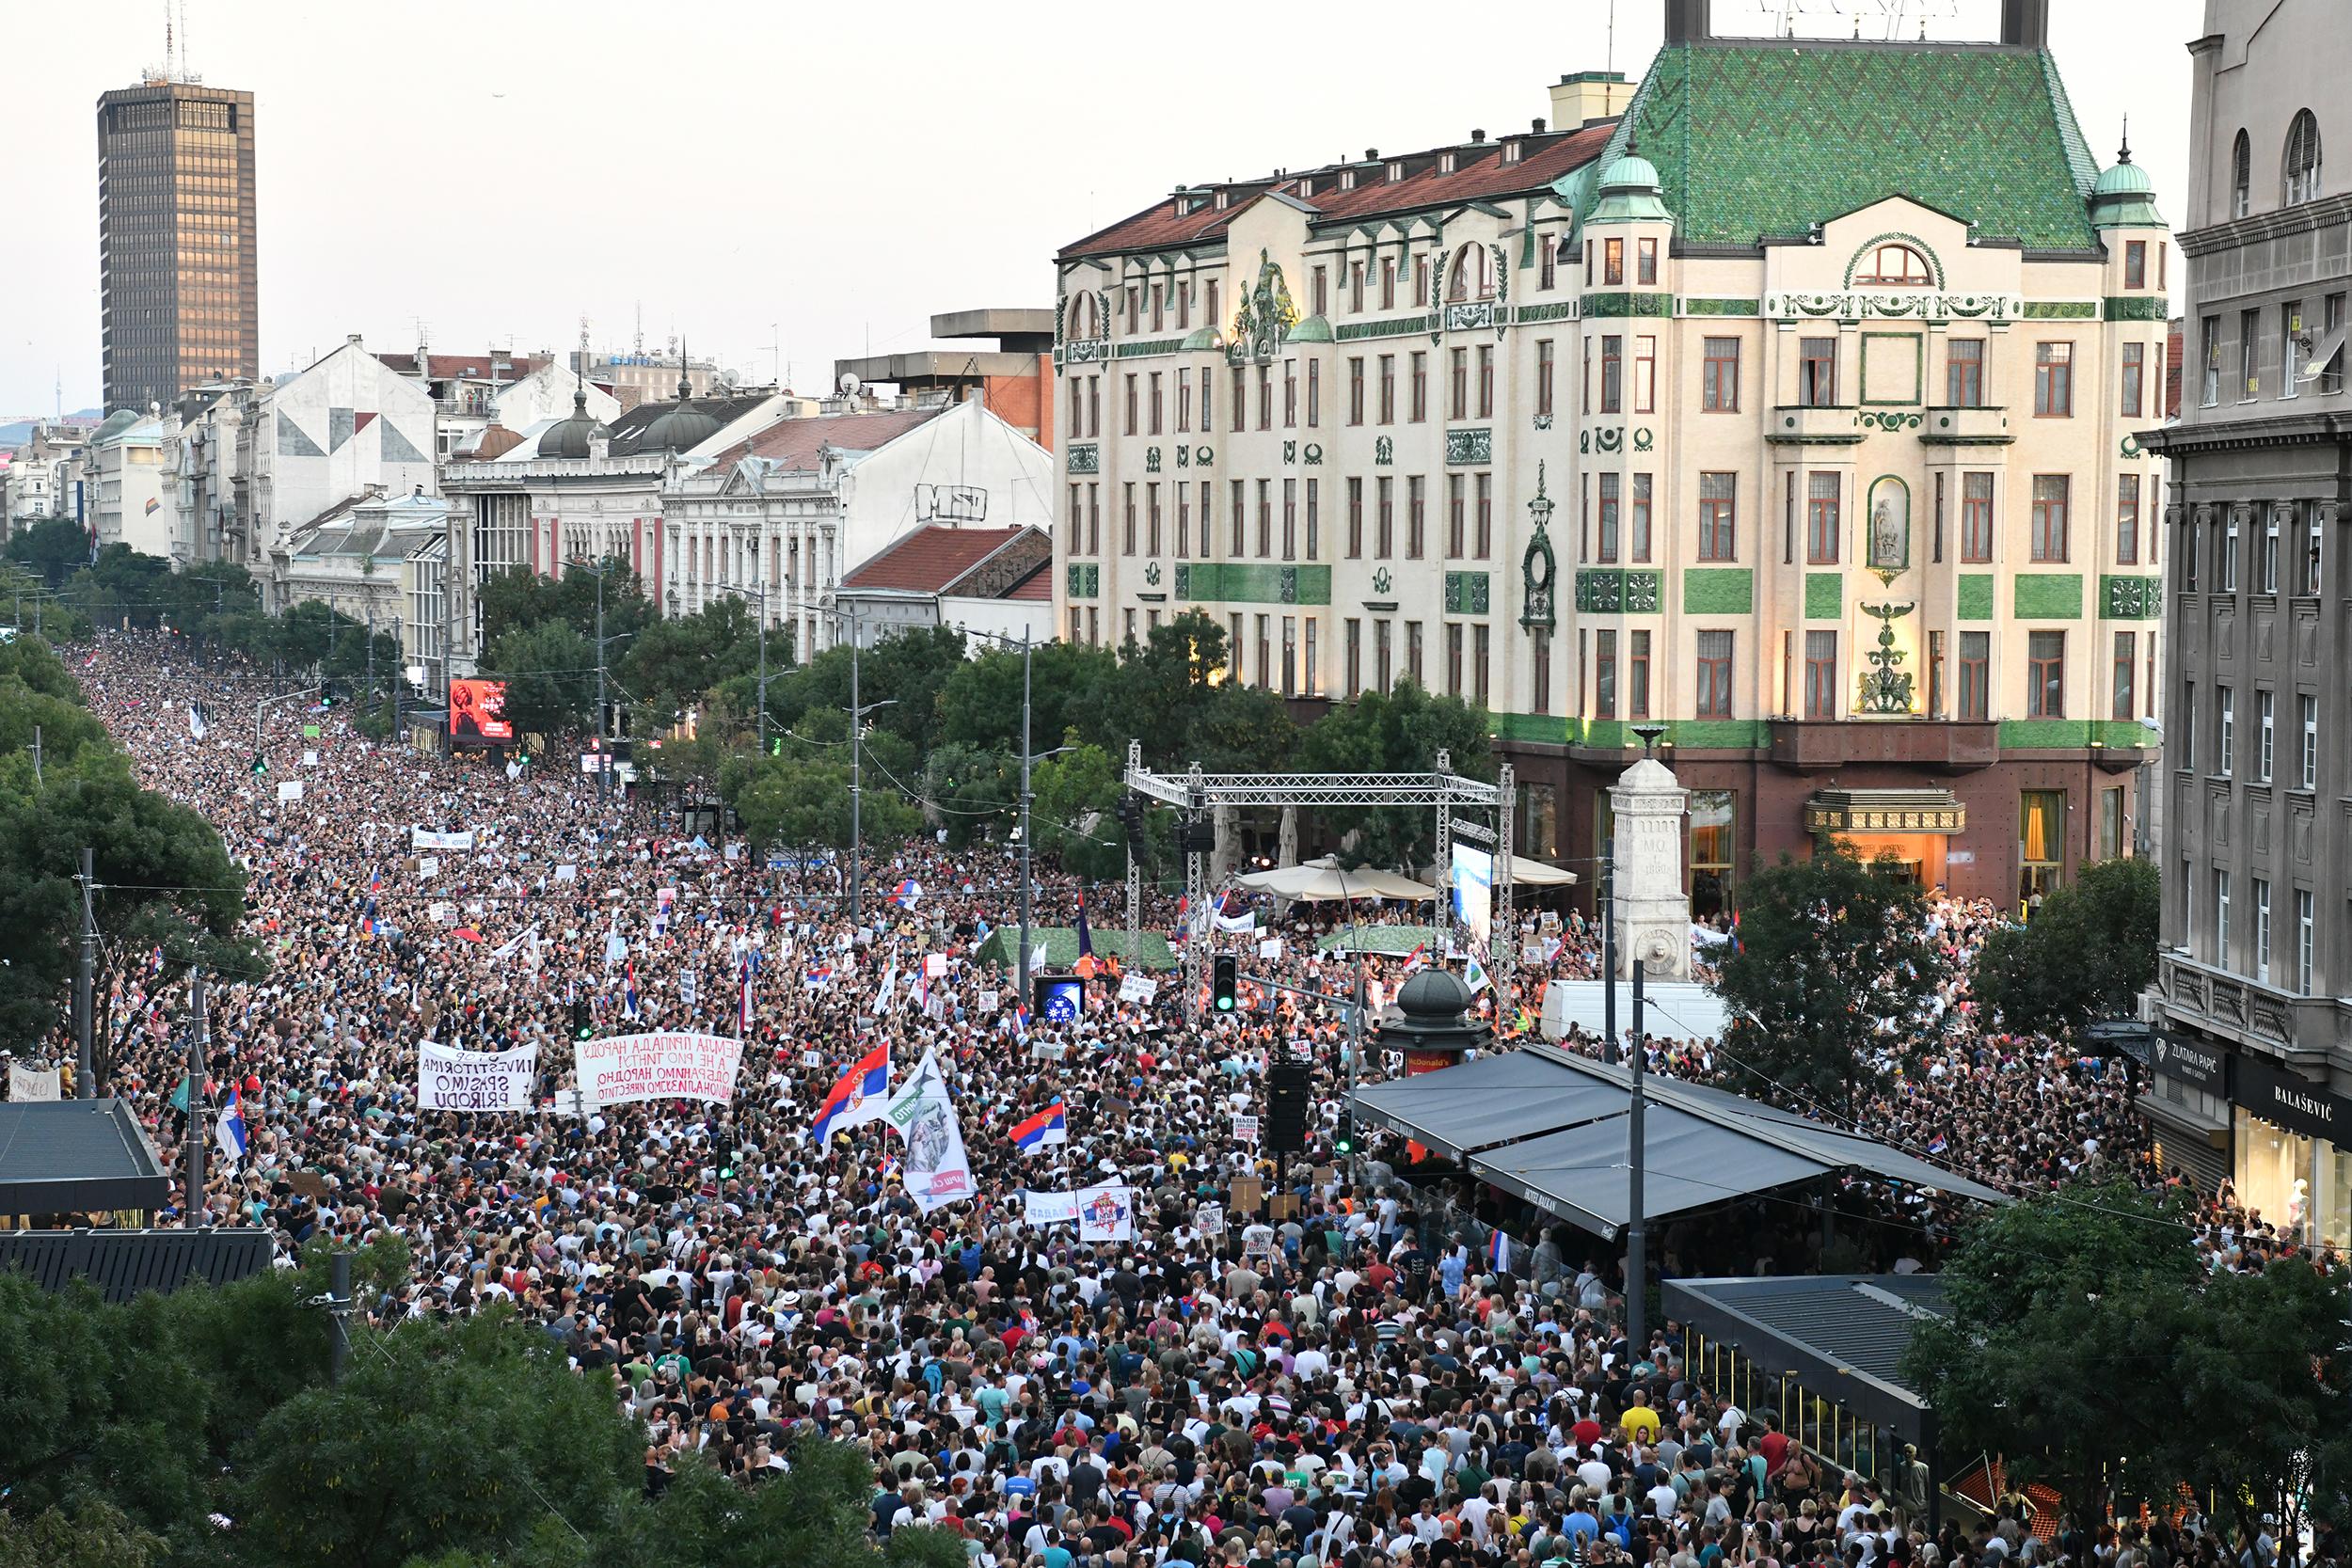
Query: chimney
point(1588, 96)
point(1686, 21)
point(2025, 23)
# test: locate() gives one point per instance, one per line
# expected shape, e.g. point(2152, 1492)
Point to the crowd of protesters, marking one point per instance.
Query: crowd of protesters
point(1338, 1377)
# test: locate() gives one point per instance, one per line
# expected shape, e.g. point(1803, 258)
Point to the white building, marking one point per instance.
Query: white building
point(125, 480)
point(984, 581)
point(785, 515)
point(43, 476)
point(354, 557)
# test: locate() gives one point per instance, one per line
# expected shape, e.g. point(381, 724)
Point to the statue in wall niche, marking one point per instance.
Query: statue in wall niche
point(1887, 550)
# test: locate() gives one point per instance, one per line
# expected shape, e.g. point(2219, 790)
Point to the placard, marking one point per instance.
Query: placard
point(934, 966)
point(290, 789)
point(1209, 1219)
point(1246, 1128)
point(32, 1083)
point(1246, 1194)
point(1049, 1207)
point(425, 838)
point(310, 759)
point(1107, 1213)
point(1270, 948)
point(449, 1079)
point(1138, 987)
point(667, 1066)
point(1282, 1206)
point(428, 865)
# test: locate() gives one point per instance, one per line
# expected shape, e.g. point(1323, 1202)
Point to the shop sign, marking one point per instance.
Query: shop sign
point(2193, 1062)
point(2290, 1101)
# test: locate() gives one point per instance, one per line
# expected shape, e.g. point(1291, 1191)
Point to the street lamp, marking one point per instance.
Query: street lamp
point(857, 773)
point(758, 593)
point(603, 567)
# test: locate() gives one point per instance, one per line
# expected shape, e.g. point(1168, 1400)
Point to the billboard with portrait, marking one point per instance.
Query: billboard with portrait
point(477, 711)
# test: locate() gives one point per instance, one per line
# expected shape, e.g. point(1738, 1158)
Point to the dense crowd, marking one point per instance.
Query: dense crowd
point(1338, 1377)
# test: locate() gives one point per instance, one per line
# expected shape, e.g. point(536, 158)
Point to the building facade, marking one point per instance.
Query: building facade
point(1699, 410)
point(177, 270)
point(1014, 380)
point(123, 474)
point(2253, 1074)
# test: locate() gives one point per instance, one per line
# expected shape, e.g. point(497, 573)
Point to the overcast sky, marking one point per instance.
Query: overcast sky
point(811, 181)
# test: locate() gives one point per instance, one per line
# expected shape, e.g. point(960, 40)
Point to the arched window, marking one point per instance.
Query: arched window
point(1083, 324)
point(2241, 177)
point(1472, 275)
point(2302, 160)
point(1896, 265)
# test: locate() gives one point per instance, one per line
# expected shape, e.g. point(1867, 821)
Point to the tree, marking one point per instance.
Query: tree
point(54, 547)
point(2086, 956)
point(802, 802)
point(462, 1436)
point(1071, 815)
point(520, 599)
point(980, 703)
point(1400, 731)
point(1158, 691)
point(94, 1534)
point(2086, 1345)
point(671, 663)
point(1830, 989)
point(551, 675)
point(969, 791)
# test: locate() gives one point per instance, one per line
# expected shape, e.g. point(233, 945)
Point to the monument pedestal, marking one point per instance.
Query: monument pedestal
point(1652, 910)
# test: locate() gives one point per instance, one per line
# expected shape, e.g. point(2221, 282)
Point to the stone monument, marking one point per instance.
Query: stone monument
point(1653, 913)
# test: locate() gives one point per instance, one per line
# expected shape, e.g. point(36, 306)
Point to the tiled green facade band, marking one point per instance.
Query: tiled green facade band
point(1086, 580)
point(1246, 583)
point(2131, 599)
point(2049, 595)
point(1157, 345)
point(1723, 307)
point(1974, 601)
point(1466, 592)
point(1629, 305)
point(2135, 308)
point(1087, 459)
point(1558, 311)
point(1824, 595)
point(2072, 733)
point(1718, 591)
point(1402, 327)
point(2059, 310)
point(1714, 735)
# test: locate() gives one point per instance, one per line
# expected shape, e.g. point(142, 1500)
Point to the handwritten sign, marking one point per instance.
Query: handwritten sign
point(626, 1067)
point(449, 1079)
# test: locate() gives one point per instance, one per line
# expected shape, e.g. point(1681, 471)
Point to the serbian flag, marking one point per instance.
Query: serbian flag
point(859, 1097)
point(1499, 1252)
point(629, 990)
point(1049, 1126)
point(231, 1130)
point(818, 978)
point(743, 1003)
point(367, 919)
point(1085, 964)
point(1735, 946)
point(906, 892)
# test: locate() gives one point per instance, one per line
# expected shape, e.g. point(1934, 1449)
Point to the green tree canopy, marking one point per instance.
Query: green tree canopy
point(2086, 957)
point(1831, 989)
point(1400, 731)
point(54, 547)
point(980, 703)
point(521, 600)
point(551, 675)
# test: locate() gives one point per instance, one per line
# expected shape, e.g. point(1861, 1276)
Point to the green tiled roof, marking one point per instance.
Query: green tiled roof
point(1762, 140)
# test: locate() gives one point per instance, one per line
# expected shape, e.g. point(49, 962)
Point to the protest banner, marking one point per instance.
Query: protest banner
point(937, 1169)
point(665, 1066)
point(1107, 1213)
point(290, 790)
point(32, 1083)
point(1049, 1207)
point(425, 838)
point(449, 1079)
point(1138, 987)
point(1246, 1128)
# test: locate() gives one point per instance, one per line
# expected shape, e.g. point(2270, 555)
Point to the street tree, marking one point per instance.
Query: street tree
point(551, 675)
point(1832, 987)
point(1400, 731)
point(2085, 958)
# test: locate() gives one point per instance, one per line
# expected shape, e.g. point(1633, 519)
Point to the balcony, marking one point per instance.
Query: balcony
point(2255, 1014)
point(1825, 745)
point(1965, 427)
point(1798, 425)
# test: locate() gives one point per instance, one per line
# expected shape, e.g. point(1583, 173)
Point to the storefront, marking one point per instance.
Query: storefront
point(2289, 1165)
point(1908, 828)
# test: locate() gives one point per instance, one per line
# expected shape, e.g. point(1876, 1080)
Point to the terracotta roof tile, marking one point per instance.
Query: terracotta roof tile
point(794, 443)
point(1486, 179)
point(931, 558)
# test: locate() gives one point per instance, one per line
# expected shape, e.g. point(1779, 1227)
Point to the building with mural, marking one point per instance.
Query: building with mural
point(1787, 406)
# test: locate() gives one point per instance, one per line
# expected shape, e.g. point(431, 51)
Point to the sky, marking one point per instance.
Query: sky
point(789, 184)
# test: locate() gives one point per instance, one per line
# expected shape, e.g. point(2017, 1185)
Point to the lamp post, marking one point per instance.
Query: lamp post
point(857, 771)
point(1028, 647)
point(758, 593)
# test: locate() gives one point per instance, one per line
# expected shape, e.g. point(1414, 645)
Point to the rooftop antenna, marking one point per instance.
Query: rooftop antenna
point(1609, 51)
point(637, 345)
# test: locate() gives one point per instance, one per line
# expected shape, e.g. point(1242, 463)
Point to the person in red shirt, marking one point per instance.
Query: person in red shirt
point(1586, 1432)
point(1773, 1446)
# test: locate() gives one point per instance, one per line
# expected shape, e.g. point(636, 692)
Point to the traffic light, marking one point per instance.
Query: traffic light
point(580, 1017)
point(1343, 1140)
point(722, 1153)
point(1227, 973)
point(326, 698)
point(260, 765)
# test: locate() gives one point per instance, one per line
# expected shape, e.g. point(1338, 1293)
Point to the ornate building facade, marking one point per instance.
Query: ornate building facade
point(1789, 406)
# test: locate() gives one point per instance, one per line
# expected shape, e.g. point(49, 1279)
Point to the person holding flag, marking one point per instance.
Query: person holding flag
point(230, 1129)
point(1048, 1125)
point(861, 1096)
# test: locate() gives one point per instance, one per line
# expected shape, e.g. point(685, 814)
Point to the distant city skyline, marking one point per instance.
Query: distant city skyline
point(785, 191)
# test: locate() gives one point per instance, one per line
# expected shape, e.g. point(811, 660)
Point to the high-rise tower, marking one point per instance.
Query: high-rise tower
point(175, 238)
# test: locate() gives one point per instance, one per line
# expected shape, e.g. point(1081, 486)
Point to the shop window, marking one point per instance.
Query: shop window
point(1538, 832)
point(1714, 815)
point(2111, 823)
point(2040, 847)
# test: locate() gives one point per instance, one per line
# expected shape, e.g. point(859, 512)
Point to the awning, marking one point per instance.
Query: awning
point(1885, 811)
point(1551, 1128)
point(62, 1156)
point(1486, 1101)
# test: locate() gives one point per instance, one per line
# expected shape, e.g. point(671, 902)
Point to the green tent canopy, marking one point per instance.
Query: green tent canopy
point(1382, 938)
point(1061, 947)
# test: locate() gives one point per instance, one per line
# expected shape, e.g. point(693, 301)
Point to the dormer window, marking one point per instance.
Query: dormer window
point(1511, 151)
point(1396, 171)
point(1897, 265)
point(1306, 186)
point(1224, 199)
point(1347, 179)
point(1445, 162)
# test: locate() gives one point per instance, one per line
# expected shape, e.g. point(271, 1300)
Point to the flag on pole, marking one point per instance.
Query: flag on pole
point(1476, 976)
point(628, 990)
point(1499, 1252)
point(196, 722)
point(820, 978)
point(1049, 1126)
point(859, 1097)
point(907, 892)
point(743, 1007)
point(1416, 957)
point(889, 988)
point(1037, 957)
point(231, 1128)
point(1085, 966)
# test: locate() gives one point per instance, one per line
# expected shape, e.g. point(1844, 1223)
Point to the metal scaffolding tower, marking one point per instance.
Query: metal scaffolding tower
point(1196, 793)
